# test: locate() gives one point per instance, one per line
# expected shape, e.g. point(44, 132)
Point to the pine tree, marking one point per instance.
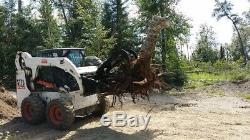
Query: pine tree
point(116, 20)
point(17, 33)
point(224, 9)
point(206, 44)
point(101, 40)
point(79, 21)
point(48, 27)
point(107, 21)
point(19, 6)
point(222, 52)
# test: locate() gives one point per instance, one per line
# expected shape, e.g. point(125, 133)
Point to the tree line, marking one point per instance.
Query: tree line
point(99, 27)
point(208, 49)
point(102, 27)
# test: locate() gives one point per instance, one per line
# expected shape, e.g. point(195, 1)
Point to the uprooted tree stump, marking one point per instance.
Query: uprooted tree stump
point(142, 65)
point(134, 74)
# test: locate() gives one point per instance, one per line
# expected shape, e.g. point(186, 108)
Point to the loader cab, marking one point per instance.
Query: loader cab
point(75, 55)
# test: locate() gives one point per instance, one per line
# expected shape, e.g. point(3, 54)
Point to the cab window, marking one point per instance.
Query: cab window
point(76, 57)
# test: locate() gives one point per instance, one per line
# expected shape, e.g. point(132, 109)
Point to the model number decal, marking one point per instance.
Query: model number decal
point(20, 84)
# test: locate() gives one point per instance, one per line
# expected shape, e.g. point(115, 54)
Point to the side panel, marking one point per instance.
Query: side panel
point(82, 102)
point(78, 101)
point(21, 88)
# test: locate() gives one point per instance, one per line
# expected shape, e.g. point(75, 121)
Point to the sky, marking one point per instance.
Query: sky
point(200, 12)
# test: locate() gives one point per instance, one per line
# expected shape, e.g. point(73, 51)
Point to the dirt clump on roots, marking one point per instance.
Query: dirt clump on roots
point(8, 105)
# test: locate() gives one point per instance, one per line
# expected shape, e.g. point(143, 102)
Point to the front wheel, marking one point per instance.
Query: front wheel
point(33, 109)
point(60, 114)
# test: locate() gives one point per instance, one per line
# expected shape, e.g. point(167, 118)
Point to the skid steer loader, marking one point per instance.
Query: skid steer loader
point(58, 84)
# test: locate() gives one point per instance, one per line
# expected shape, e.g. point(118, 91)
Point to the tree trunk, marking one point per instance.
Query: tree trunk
point(163, 49)
point(243, 50)
point(142, 64)
point(20, 7)
point(163, 40)
point(65, 19)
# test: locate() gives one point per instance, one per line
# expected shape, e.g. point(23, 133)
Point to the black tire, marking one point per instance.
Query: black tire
point(102, 107)
point(33, 109)
point(60, 114)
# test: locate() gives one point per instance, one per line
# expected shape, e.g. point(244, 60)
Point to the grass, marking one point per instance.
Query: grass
point(196, 80)
point(246, 96)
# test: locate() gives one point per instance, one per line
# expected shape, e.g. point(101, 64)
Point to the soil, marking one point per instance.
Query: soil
point(214, 112)
point(8, 105)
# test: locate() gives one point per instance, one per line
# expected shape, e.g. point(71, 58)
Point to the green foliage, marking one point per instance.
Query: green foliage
point(239, 76)
point(206, 44)
point(208, 67)
point(204, 74)
point(103, 28)
point(222, 53)
point(7, 71)
point(107, 18)
point(234, 48)
point(47, 25)
point(81, 23)
point(224, 66)
point(224, 9)
point(101, 43)
point(166, 51)
point(18, 32)
point(175, 74)
point(247, 96)
point(115, 20)
point(247, 16)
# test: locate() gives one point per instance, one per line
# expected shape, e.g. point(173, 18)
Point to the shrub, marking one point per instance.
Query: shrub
point(175, 78)
point(235, 76)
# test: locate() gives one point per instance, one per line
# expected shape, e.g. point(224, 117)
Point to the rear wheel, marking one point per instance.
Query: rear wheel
point(60, 114)
point(33, 110)
point(102, 107)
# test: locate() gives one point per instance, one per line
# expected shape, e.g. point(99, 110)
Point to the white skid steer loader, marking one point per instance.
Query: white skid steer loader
point(60, 83)
point(57, 85)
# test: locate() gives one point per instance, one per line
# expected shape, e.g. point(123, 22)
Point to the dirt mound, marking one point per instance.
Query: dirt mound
point(8, 99)
point(8, 105)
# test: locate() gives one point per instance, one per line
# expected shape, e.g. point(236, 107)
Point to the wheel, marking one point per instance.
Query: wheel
point(33, 110)
point(60, 114)
point(102, 107)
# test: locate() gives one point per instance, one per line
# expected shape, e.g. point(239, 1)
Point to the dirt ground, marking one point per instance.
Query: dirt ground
point(8, 103)
point(214, 112)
